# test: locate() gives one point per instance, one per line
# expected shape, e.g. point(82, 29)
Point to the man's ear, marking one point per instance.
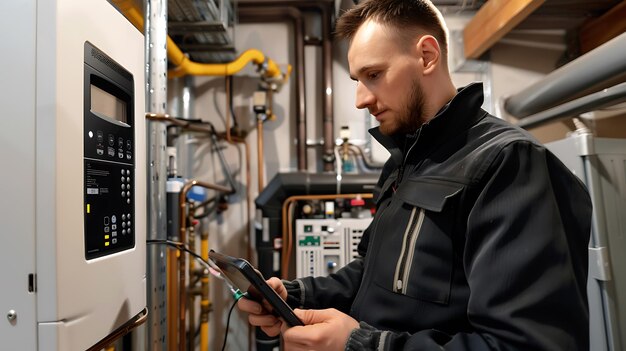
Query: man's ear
point(430, 52)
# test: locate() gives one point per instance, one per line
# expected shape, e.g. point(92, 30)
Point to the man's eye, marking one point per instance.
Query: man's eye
point(373, 75)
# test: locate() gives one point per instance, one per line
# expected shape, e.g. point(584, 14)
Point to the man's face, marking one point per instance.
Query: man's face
point(387, 78)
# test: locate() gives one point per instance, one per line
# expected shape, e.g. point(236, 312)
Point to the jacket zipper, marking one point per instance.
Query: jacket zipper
point(403, 267)
point(406, 156)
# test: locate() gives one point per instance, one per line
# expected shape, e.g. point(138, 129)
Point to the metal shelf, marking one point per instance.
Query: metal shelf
point(203, 29)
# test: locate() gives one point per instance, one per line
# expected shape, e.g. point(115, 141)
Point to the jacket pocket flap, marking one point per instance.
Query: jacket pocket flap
point(429, 194)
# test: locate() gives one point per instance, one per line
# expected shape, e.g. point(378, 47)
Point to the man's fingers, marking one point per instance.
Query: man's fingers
point(263, 320)
point(249, 306)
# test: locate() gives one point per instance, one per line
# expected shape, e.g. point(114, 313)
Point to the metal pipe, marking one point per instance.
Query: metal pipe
point(326, 8)
point(192, 297)
point(205, 304)
point(327, 65)
point(252, 13)
point(182, 213)
point(259, 133)
point(156, 100)
point(597, 66)
point(601, 99)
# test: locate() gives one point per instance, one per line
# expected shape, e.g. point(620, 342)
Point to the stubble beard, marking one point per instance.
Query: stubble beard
point(410, 118)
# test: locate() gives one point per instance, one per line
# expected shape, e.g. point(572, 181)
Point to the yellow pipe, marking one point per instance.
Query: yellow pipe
point(187, 67)
point(191, 296)
point(204, 303)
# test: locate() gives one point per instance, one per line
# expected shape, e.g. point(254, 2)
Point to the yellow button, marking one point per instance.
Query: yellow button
point(106, 237)
point(106, 243)
point(88, 208)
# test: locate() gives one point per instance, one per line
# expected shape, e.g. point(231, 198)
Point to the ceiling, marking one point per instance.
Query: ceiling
point(581, 24)
point(203, 29)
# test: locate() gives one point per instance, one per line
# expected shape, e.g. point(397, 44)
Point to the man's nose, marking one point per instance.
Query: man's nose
point(364, 96)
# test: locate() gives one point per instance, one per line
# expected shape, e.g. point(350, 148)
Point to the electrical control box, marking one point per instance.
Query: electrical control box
point(600, 164)
point(74, 174)
point(326, 245)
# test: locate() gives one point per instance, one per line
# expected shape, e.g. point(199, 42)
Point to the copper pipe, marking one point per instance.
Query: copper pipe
point(126, 328)
point(182, 262)
point(205, 304)
point(259, 138)
point(192, 296)
point(327, 65)
point(227, 89)
point(286, 235)
point(251, 13)
point(185, 125)
point(277, 10)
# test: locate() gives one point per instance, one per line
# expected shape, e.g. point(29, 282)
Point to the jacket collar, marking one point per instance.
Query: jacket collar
point(456, 116)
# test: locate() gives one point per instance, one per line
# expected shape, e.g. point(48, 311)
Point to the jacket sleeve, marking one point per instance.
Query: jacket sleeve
point(525, 260)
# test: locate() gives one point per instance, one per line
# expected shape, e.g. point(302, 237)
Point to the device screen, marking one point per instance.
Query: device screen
point(235, 277)
point(108, 105)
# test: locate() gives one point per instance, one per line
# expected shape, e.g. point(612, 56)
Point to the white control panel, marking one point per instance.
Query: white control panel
point(326, 245)
point(73, 212)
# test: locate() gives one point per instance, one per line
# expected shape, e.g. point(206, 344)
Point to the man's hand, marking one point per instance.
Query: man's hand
point(324, 330)
point(260, 313)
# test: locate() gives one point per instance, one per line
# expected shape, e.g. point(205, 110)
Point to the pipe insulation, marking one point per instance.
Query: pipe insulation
point(597, 66)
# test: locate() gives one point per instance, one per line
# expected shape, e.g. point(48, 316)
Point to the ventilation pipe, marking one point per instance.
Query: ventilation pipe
point(595, 67)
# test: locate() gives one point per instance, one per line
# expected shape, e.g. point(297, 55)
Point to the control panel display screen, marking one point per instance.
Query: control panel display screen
point(109, 155)
point(104, 104)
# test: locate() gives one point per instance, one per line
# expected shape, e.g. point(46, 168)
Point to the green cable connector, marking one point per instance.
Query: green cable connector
point(238, 294)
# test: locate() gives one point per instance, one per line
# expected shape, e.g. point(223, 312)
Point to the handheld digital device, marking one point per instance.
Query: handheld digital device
point(242, 275)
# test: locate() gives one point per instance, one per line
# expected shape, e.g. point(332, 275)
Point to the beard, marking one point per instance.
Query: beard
point(409, 119)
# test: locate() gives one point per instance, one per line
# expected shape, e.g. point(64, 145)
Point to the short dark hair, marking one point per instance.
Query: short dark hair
point(407, 17)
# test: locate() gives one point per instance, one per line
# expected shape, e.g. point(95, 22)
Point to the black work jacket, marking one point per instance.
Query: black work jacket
point(479, 242)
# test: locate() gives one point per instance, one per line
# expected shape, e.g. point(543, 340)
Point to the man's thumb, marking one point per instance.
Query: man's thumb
point(315, 316)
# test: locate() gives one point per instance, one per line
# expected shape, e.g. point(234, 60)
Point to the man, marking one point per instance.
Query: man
point(479, 241)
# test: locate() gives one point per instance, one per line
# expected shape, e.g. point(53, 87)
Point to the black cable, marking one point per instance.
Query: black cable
point(178, 245)
point(228, 322)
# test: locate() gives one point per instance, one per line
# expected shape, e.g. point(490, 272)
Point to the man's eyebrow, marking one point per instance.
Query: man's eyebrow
point(361, 70)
